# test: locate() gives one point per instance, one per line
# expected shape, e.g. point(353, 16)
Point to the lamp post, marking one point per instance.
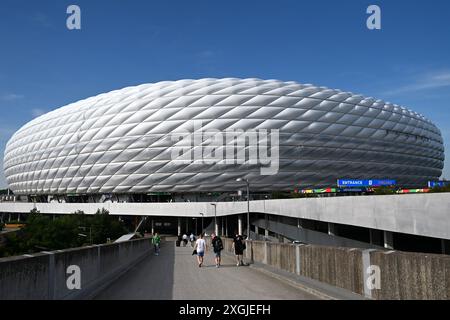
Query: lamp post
point(195, 225)
point(248, 204)
point(216, 229)
point(202, 221)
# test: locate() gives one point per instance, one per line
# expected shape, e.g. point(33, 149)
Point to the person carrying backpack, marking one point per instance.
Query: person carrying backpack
point(239, 247)
point(192, 239)
point(217, 248)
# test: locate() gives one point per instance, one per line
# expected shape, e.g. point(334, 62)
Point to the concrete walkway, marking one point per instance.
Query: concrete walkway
point(174, 274)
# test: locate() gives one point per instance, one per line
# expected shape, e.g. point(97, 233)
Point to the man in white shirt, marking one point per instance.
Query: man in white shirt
point(200, 247)
point(185, 239)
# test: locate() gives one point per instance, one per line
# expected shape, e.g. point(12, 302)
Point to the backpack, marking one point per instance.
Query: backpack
point(219, 244)
point(239, 243)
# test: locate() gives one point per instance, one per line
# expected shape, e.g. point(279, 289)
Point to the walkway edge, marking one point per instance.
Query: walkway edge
point(109, 280)
point(326, 291)
point(293, 283)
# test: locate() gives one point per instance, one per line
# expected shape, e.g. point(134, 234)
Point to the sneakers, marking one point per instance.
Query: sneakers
point(217, 266)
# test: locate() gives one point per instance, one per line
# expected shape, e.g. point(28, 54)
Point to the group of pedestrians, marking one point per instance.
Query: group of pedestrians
point(200, 248)
point(185, 239)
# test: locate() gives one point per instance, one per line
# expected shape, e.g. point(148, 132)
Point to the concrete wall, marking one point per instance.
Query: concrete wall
point(403, 275)
point(310, 236)
point(412, 276)
point(43, 275)
point(418, 214)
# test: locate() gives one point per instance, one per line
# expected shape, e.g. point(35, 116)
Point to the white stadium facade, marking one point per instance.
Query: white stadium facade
point(133, 140)
point(175, 153)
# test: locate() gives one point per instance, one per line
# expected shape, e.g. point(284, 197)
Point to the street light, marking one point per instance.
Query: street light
point(216, 229)
point(202, 221)
point(248, 204)
point(196, 228)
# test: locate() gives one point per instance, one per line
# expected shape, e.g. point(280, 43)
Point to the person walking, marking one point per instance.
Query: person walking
point(217, 245)
point(185, 239)
point(156, 240)
point(200, 247)
point(239, 247)
point(192, 239)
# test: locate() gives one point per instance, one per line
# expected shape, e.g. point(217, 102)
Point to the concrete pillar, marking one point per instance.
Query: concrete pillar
point(256, 231)
point(331, 229)
point(265, 253)
point(18, 217)
point(187, 226)
point(221, 225)
point(375, 237)
point(9, 218)
point(153, 227)
point(216, 226)
point(445, 248)
point(240, 224)
point(299, 223)
point(226, 226)
point(388, 240)
point(179, 226)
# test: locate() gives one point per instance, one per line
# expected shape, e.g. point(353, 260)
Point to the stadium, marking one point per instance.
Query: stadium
point(202, 135)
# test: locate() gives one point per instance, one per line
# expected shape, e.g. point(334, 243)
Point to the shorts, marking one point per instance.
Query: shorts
point(201, 253)
point(217, 254)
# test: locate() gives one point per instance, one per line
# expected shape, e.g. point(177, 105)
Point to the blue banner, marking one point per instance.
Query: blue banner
point(365, 183)
point(432, 184)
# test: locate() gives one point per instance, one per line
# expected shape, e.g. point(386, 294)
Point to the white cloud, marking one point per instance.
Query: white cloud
point(12, 97)
point(424, 82)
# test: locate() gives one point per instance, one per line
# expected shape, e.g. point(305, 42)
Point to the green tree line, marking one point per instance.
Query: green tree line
point(42, 232)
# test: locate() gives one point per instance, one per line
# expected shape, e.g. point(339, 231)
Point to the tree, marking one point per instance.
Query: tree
point(385, 190)
point(105, 226)
point(41, 232)
point(438, 189)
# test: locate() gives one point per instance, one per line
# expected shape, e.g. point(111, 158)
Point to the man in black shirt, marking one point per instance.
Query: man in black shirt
point(239, 247)
point(217, 248)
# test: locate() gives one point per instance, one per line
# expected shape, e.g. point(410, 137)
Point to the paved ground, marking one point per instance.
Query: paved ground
point(174, 274)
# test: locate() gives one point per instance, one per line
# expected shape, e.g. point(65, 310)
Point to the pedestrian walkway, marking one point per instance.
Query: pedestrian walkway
point(174, 274)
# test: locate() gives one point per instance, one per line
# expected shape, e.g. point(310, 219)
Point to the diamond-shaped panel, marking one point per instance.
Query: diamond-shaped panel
point(121, 141)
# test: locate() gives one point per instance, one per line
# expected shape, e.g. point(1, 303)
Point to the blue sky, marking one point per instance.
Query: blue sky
point(43, 65)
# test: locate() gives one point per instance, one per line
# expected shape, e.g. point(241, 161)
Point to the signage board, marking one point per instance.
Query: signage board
point(433, 184)
point(365, 183)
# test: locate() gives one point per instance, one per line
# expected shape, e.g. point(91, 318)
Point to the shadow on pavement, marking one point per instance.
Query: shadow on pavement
point(150, 279)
